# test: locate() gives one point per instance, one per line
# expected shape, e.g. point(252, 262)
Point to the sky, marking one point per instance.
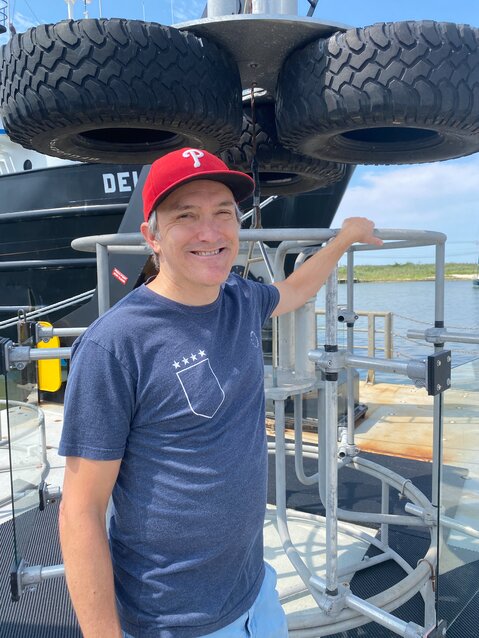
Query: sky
point(442, 196)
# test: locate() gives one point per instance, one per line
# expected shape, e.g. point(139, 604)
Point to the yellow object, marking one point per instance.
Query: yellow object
point(49, 370)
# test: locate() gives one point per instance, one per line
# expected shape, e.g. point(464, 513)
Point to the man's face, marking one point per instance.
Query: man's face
point(197, 239)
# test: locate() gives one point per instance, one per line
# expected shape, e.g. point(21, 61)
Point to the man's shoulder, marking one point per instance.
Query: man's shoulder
point(239, 282)
point(118, 322)
point(239, 285)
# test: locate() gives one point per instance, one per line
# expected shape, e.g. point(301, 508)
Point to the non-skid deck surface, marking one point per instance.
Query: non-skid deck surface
point(47, 612)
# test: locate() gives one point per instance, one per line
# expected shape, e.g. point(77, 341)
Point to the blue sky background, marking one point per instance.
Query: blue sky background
point(443, 196)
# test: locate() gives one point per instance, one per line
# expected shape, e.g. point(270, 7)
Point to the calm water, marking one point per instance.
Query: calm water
point(412, 304)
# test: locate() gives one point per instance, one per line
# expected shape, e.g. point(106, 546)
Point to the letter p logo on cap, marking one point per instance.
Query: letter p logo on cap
point(195, 154)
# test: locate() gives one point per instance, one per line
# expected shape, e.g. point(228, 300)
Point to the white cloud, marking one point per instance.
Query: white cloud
point(443, 196)
point(433, 193)
point(186, 10)
point(22, 23)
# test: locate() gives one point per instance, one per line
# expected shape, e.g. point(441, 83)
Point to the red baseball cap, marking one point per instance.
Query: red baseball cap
point(186, 165)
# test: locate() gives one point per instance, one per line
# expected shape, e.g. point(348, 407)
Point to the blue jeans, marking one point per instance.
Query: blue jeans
point(264, 619)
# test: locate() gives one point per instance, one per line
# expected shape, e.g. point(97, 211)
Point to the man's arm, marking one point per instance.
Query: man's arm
point(87, 488)
point(305, 282)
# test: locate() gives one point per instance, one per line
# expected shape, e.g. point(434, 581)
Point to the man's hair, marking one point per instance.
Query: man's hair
point(153, 228)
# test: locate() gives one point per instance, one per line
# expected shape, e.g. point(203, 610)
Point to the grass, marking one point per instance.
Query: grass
point(407, 271)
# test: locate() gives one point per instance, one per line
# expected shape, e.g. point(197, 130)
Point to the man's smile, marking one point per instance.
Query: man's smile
point(207, 253)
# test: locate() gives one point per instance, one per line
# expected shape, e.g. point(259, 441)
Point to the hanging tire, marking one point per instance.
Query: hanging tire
point(391, 93)
point(281, 172)
point(117, 91)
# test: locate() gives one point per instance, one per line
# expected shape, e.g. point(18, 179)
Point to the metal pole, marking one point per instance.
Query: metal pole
point(103, 282)
point(412, 369)
point(438, 399)
point(331, 444)
point(222, 8)
point(305, 339)
point(298, 444)
point(25, 354)
point(281, 514)
point(384, 510)
point(276, 7)
point(443, 336)
point(38, 573)
point(438, 411)
point(371, 344)
point(47, 333)
point(388, 335)
point(350, 347)
point(409, 630)
point(70, 4)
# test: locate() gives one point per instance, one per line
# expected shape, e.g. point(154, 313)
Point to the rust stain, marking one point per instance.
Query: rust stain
point(399, 449)
point(415, 451)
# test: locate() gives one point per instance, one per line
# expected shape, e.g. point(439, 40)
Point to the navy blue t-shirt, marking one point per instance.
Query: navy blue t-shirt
point(176, 392)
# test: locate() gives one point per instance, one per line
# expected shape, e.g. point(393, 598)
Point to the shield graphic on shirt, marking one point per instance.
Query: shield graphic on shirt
point(202, 388)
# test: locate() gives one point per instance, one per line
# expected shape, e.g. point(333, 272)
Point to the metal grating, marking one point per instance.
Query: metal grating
point(47, 612)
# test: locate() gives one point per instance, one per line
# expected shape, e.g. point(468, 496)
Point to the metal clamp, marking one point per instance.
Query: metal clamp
point(432, 570)
point(402, 494)
point(43, 333)
point(48, 494)
point(328, 361)
point(331, 603)
point(346, 316)
point(24, 578)
point(429, 516)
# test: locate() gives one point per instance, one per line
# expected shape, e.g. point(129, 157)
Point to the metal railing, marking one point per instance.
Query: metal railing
point(328, 592)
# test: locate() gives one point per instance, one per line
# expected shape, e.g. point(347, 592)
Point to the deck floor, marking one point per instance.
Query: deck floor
point(396, 432)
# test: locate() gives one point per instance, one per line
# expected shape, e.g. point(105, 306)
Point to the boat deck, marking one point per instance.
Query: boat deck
point(396, 432)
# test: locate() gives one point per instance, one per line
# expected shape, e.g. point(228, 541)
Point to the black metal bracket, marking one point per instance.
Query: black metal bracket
point(14, 593)
point(15, 585)
point(5, 345)
point(47, 495)
point(438, 372)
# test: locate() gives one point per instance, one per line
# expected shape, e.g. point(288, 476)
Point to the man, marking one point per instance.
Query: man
point(165, 412)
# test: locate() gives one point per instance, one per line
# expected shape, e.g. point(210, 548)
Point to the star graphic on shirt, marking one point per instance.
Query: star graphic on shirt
point(185, 360)
point(193, 357)
point(176, 365)
point(202, 353)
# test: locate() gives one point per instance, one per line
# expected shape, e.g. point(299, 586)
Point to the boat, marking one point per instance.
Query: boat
point(475, 281)
point(44, 204)
point(429, 508)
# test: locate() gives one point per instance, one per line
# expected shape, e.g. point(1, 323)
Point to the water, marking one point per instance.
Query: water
point(412, 304)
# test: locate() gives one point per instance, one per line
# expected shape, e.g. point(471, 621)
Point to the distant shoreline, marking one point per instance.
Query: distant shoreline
point(409, 272)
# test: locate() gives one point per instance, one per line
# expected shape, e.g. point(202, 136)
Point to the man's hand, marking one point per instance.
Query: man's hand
point(359, 229)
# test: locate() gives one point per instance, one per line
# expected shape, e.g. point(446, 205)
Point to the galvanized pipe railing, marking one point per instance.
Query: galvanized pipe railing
point(351, 611)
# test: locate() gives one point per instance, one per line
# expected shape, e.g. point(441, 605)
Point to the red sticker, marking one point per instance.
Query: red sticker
point(119, 275)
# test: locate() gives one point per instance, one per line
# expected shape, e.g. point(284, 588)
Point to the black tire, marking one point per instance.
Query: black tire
point(391, 93)
point(117, 91)
point(281, 172)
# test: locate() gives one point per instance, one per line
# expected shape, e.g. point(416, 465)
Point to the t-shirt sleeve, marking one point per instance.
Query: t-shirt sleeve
point(99, 404)
point(267, 297)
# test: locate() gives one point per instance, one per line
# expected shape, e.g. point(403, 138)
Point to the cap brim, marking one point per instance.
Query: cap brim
point(240, 184)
